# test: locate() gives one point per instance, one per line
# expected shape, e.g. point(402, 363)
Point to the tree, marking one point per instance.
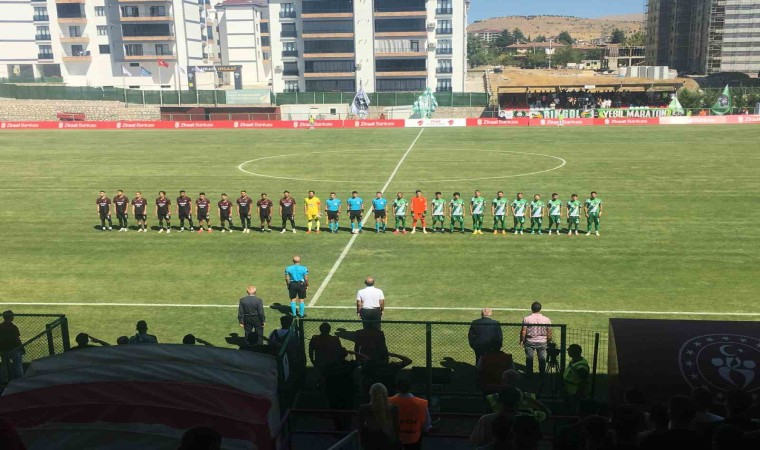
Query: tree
point(477, 52)
point(540, 38)
point(563, 56)
point(618, 36)
point(637, 39)
point(504, 40)
point(596, 53)
point(518, 35)
point(534, 60)
point(565, 38)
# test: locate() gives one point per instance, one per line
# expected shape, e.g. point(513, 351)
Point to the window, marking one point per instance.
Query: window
point(289, 49)
point(134, 49)
point(130, 11)
point(265, 41)
point(158, 11)
point(288, 11)
point(102, 30)
point(329, 6)
point(415, 45)
point(444, 66)
point(400, 84)
point(401, 65)
point(444, 85)
point(43, 33)
point(75, 32)
point(104, 49)
point(288, 30)
point(163, 49)
point(444, 27)
point(329, 46)
point(290, 68)
point(100, 11)
point(444, 7)
point(77, 50)
point(330, 66)
point(398, 25)
point(46, 52)
point(348, 85)
point(329, 26)
point(265, 27)
point(40, 13)
point(265, 55)
point(291, 86)
point(134, 64)
point(443, 47)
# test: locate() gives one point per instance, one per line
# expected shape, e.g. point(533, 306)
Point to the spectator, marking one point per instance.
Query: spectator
point(378, 421)
point(576, 377)
point(279, 337)
point(526, 433)
point(83, 340)
point(681, 411)
point(413, 414)
point(491, 366)
point(627, 422)
point(529, 404)
point(122, 340)
point(370, 303)
point(485, 334)
point(739, 404)
point(142, 336)
point(251, 314)
point(573, 436)
point(483, 433)
point(371, 342)
point(340, 385)
point(324, 348)
point(190, 339)
point(535, 336)
point(10, 351)
point(703, 398)
point(383, 372)
point(201, 438)
point(658, 421)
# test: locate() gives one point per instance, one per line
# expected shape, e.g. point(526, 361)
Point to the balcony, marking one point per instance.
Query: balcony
point(328, 55)
point(147, 18)
point(45, 56)
point(75, 39)
point(78, 58)
point(290, 73)
point(444, 11)
point(290, 53)
point(289, 34)
point(444, 51)
point(443, 89)
point(399, 52)
point(147, 38)
point(149, 57)
point(444, 70)
point(420, 13)
point(287, 14)
point(41, 18)
point(41, 37)
point(328, 35)
point(416, 73)
point(72, 20)
point(329, 75)
point(444, 31)
point(328, 15)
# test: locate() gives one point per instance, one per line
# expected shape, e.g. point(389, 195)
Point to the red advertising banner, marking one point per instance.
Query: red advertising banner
point(490, 122)
point(575, 122)
point(628, 121)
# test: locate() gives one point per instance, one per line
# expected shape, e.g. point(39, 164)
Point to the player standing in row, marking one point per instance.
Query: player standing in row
point(593, 213)
point(379, 208)
point(518, 212)
point(355, 212)
point(456, 211)
point(573, 213)
point(312, 209)
point(419, 210)
point(104, 210)
point(288, 212)
point(120, 204)
point(162, 212)
point(185, 211)
point(477, 210)
point(333, 206)
point(225, 213)
point(537, 211)
point(244, 211)
point(202, 210)
point(499, 207)
point(138, 211)
point(438, 204)
point(555, 213)
point(400, 206)
point(264, 207)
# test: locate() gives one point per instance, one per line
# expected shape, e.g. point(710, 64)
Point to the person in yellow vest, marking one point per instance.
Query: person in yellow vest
point(529, 404)
point(413, 415)
point(576, 377)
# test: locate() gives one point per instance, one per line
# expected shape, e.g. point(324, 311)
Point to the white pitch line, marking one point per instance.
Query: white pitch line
point(392, 308)
point(351, 241)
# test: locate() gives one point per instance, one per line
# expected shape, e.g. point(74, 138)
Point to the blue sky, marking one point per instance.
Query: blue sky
point(483, 9)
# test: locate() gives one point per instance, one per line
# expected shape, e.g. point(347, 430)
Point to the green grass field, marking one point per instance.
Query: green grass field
point(678, 234)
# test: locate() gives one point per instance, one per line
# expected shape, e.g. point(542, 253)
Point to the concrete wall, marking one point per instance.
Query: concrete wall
point(11, 110)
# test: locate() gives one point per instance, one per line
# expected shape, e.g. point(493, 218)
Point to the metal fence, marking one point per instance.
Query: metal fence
point(463, 99)
point(131, 96)
point(42, 335)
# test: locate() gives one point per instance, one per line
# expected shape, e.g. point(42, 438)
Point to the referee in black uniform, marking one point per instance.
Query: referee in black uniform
point(251, 314)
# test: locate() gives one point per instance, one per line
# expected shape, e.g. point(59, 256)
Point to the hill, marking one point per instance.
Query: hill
point(579, 28)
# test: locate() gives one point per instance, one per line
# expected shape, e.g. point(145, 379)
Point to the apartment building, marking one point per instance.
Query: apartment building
point(105, 42)
point(380, 45)
point(704, 36)
point(243, 39)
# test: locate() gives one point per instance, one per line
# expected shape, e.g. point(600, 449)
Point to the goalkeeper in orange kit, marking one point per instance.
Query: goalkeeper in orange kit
point(419, 209)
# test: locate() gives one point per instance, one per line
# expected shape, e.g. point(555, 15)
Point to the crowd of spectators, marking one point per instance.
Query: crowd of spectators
point(585, 99)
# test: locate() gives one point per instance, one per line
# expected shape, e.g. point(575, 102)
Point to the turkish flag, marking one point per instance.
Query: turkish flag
point(162, 63)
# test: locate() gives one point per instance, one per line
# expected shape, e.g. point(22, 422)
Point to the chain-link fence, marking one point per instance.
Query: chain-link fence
point(42, 335)
point(465, 99)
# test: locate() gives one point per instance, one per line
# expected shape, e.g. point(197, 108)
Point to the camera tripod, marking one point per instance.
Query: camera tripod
point(551, 379)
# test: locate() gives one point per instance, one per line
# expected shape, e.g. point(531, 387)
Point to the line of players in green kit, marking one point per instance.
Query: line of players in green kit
point(520, 209)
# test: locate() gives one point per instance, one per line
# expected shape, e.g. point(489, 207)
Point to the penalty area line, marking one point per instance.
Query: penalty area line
point(392, 308)
point(351, 241)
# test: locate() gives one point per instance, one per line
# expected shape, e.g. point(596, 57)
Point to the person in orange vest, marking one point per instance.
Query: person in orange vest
point(413, 415)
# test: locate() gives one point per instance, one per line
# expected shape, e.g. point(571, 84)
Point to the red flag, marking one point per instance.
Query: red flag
point(162, 63)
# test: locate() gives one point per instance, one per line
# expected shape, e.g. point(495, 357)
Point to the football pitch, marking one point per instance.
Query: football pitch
point(679, 235)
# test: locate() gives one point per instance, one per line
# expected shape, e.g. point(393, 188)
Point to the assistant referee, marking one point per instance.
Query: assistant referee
point(297, 280)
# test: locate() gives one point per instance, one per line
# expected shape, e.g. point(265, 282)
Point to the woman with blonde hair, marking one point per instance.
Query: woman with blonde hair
point(378, 421)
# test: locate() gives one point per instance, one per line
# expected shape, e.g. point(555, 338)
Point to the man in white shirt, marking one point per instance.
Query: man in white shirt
point(370, 303)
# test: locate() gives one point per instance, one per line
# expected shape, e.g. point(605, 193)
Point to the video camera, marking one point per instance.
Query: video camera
point(552, 352)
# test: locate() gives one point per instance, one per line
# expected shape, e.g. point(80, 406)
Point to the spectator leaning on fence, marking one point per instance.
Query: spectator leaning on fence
point(324, 348)
point(370, 303)
point(534, 337)
point(83, 341)
point(142, 336)
point(485, 334)
point(10, 341)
